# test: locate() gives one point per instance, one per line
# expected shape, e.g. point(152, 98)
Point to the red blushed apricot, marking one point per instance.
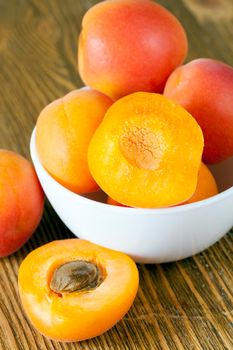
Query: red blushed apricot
point(129, 45)
point(73, 290)
point(63, 132)
point(204, 88)
point(21, 201)
point(146, 152)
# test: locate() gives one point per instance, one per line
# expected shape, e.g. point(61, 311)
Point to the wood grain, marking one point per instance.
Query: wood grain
point(183, 305)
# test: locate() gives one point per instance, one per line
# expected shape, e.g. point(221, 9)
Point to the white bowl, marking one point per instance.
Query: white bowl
point(147, 235)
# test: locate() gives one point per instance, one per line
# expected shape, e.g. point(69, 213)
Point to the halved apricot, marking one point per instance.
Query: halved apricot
point(206, 188)
point(146, 152)
point(73, 290)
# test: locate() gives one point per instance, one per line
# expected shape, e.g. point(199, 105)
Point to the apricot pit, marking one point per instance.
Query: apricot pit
point(75, 276)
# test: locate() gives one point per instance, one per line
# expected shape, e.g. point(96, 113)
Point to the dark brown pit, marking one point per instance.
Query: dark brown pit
point(76, 276)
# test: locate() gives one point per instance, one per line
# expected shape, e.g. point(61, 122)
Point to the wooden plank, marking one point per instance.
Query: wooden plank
point(183, 305)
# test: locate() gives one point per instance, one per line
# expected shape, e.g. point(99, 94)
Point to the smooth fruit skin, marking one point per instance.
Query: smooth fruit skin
point(21, 201)
point(206, 185)
point(63, 132)
point(146, 152)
point(204, 87)
point(78, 315)
point(129, 45)
point(112, 201)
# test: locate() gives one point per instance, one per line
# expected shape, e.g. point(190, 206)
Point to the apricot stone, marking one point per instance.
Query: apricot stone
point(204, 87)
point(21, 201)
point(129, 45)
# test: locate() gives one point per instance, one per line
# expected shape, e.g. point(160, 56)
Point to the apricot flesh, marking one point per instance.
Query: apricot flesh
point(204, 88)
point(206, 188)
point(129, 45)
point(146, 152)
point(80, 314)
point(63, 132)
point(21, 201)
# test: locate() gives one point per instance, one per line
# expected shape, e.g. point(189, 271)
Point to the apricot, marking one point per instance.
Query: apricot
point(129, 45)
point(204, 87)
point(63, 131)
point(146, 152)
point(73, 290)
point(21, 201)
point(206, 187)
point(112, 201)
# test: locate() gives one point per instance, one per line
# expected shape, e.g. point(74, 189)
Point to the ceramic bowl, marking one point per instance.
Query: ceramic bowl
point(147, 235)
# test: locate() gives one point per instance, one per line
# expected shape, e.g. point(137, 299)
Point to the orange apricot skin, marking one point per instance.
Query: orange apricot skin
point(204, 88)
point(206, 185)
point(21, 201)
point(79, 315)
point(112, 201)
point(129, 45)
point(146, 152)
point(63, 132)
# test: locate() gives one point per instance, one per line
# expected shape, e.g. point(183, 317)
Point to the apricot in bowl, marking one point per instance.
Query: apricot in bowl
point(204, 88)
point(129, 45)
point(147, 235)
point(206, 188)
point(64, 129)
point(146, 152)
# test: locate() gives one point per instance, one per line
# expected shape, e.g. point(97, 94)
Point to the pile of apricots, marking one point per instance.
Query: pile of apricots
point(144, 125)
point(141, 131)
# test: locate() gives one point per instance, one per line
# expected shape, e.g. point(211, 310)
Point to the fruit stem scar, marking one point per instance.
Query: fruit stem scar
point(75, 276)
point(141, 148)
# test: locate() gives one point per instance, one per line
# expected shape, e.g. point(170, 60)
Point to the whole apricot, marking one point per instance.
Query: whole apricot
point(204, 87)
point(146, 152)
point(206, 185)
point(21, 201)
point(111, 201)
point(73, 290)
point(129, 45)
point(63, 132)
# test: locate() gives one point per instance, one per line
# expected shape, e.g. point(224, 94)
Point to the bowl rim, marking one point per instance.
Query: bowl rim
point(130, 210)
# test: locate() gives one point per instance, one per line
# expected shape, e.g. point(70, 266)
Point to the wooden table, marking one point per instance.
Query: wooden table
point(183, 305)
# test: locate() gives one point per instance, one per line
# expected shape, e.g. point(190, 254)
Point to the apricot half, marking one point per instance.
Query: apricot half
point(146, 152)
point(129, 45)
point(73, 290)
point(63, 132)
point(206, 187)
